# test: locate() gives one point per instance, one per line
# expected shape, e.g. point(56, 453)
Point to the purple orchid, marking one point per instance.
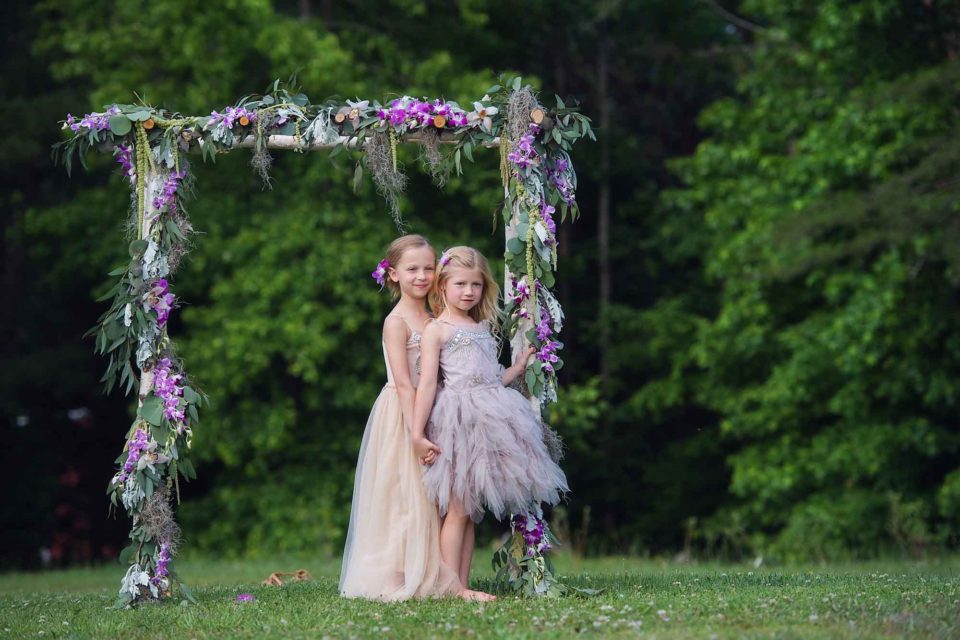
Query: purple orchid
point(160, 300)
point(169, 190)
point(521, 292)
point(547, 355)
point(524, 154)
point(168, 387)
point(163, 560)
point(559, 177)
point(379, 274)
point(92, 121)
point(546, 212)
point(231, 116)
point(124, 154)
point(533, 530)
point(543, 329)
point(139, 443)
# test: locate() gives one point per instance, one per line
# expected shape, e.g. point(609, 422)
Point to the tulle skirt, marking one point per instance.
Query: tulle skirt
point(393, 543)
point(493, 454)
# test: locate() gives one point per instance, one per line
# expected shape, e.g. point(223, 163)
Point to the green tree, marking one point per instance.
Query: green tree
point(828, 184)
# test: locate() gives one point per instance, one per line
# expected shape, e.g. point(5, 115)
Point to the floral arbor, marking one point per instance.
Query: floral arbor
point(153, 145)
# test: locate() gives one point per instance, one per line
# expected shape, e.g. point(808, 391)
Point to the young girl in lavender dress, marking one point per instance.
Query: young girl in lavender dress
point(491, 456)
point(392, 550)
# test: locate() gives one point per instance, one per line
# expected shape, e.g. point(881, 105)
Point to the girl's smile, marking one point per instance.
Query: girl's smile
point(415, 271)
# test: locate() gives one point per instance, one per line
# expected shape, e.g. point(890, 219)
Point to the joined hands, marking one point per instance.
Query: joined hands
point(426, 451)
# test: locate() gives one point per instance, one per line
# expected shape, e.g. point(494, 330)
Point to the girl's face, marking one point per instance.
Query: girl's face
point(463, 288)
point(414, 272)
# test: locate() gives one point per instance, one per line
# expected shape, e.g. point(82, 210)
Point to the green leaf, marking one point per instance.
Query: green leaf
point(190, 395)
point(358, 176)
point(138, 248)
point(547, 279)
point(120, 125)
point(517, 82)
point(515, 246)
point(187, 470)
point(128, 554)
point(468, 151)
point(152, 410)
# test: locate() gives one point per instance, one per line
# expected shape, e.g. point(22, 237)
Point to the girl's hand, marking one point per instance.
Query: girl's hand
point(426, 451)
point(520, 364)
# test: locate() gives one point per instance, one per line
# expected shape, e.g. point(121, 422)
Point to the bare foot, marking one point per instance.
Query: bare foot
point(476, 596)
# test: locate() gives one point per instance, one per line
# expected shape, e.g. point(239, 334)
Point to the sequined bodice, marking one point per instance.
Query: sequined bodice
point(413, 359)
point(469, 359)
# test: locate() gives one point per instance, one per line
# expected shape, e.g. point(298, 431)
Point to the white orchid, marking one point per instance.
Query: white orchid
point(356, 110)
point(481, 115)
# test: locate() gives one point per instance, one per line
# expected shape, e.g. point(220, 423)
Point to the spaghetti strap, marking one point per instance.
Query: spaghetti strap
point(413, 332)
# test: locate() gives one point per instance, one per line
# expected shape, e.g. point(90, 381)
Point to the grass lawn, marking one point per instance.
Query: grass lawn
point(640, 598)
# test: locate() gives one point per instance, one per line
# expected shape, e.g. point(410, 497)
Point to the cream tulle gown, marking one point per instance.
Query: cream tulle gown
point(393, 545)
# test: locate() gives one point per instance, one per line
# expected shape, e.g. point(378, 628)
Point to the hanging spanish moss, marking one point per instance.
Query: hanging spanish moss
point(431, 157)
point(390, 182)
point(156, 518)
point(519, 106)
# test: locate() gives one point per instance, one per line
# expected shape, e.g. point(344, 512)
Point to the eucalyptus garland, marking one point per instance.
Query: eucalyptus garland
point(152, 145)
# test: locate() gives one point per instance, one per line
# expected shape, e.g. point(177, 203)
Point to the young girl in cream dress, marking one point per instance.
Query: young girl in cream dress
point(392, 550)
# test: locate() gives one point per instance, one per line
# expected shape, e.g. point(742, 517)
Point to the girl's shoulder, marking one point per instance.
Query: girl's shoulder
point(436, 330)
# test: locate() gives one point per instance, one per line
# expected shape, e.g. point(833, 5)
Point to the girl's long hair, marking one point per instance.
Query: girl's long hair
point(468, 258)
point(396, 250)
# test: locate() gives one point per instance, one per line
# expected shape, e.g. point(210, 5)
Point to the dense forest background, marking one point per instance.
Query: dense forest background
point(763, 345)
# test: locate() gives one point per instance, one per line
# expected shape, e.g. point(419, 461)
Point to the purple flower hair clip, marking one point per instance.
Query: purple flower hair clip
point(379, 274)
point(444, 259)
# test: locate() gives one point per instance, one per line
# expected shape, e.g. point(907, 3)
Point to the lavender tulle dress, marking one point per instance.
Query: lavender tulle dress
point(493, 454)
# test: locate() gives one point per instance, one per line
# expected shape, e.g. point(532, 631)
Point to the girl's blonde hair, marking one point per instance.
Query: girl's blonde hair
point(395, 252)
point(468, 258)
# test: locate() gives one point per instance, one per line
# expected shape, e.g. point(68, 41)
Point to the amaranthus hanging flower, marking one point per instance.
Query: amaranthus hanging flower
point(380, 273)
point(160, 300)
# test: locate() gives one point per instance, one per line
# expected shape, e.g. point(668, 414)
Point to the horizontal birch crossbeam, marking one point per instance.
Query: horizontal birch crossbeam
point(295, 143)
